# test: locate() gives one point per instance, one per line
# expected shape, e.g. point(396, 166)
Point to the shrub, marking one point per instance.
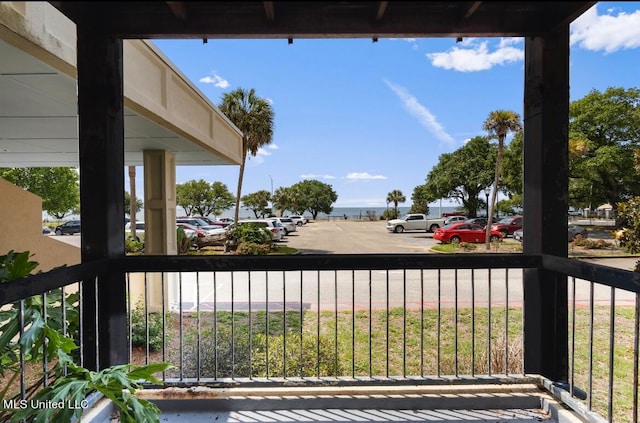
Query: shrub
point(315, 359)
point(467, 246)
point(132, 245)
point(139, 323)
point(253, 249)
point(184, 242)
point(591, 244)
point(628, 219)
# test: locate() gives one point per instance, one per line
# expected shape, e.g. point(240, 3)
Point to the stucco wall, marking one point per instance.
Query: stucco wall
point(21, 229)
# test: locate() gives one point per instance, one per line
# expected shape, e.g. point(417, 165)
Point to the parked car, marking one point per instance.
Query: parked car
point(300, 220)
point(204, 238)
point(68, 228)
point(465, 232)
point(139, 229)
point(227, 220)
point(508, 225)
point(288, 223)
point(46, 230)
point(276, 233)
point(213, 222)
point(482, 221)
point(452, 219)
point(202, 224)
point(574, 232)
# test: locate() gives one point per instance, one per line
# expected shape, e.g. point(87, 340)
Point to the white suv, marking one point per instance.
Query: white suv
point(299, 220)
point(276, 233)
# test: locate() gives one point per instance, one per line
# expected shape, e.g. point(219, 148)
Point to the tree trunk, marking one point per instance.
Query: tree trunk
point(240, 178)
point(132, 201)
point(494, 194)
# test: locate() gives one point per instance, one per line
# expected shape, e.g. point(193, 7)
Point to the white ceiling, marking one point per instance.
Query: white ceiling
point(39, 124)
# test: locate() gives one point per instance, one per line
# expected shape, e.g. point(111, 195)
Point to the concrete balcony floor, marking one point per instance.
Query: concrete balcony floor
point(519, 403)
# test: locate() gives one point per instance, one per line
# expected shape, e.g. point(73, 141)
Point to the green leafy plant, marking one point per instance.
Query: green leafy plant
point(253, 249)
point(48, 333)
point(147, 328)
point(628, 220)
point(132, 245)
point(184, 242)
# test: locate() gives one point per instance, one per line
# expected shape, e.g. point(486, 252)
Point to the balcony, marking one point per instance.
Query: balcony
point(337, 338)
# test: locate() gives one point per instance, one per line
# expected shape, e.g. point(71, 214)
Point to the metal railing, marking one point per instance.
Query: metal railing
point(357, 319)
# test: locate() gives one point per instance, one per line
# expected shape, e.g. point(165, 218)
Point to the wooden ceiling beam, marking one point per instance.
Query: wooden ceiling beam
point(472, 9)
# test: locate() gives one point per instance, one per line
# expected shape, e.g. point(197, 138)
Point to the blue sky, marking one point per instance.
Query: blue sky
point(368, 118)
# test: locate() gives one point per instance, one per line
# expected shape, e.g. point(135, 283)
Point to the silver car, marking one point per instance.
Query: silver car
point(574, 232)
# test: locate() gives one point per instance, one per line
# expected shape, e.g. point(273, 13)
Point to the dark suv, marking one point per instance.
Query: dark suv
point(69, 228)
point(508, 225)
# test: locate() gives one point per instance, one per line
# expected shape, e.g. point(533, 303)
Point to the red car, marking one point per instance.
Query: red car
point(508, 225)
point(464, 232)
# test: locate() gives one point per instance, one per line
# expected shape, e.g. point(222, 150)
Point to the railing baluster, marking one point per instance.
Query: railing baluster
point(181, 325)
point(284, 324)
point(439, 322)
point(23, 393)
point(612, 325)
point(404, 323)
point(266, 316)
point(233, 330)
point(65, 328)
point(301, 326)
point(489, 323)
point(249, 306)
point(215, 325)
point(130, 315)
point(164, 323)
point(198, 331)
point(335, 324)
point(45, 376)
point(473, 323)
point(146, 321)
point(572, 352)
point(591, 329)
point(370, 326)
point(421, 322)
point(387, 324)
point(636, 352)
point(506, 322)
point(455, 321)
point(318, 329)
point(353, 324)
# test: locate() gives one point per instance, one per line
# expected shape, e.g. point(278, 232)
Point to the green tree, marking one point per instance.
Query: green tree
point(604, 133)
point(396, 196)
point(203, 198)
point(460, 175)
point(285, 198)
point(419, 200)
point(57, 186)
point(221, 199)
point(193, 195)
point(498, 125)
point(127, 204)
point(257, 202)
point(314, 197)
point(254, 116)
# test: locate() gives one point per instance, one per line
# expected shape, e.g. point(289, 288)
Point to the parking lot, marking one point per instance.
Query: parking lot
point(355, 237)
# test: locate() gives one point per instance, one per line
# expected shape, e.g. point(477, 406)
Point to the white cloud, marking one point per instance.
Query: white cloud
point(316, 176)
point(609, 33)
point(477, 57)
point(272, 146)
point(269, 100)
point(424, 116)
point(263, 152)
point(216, 80)
point(363, 176)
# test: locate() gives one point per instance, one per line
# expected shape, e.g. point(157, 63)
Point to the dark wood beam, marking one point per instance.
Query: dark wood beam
point(546, 170)
point(178, 9)
point(101, 158)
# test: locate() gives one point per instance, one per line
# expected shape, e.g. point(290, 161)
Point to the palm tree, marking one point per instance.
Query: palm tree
point(253, 115)
point(498, 125)
point(396, 196)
